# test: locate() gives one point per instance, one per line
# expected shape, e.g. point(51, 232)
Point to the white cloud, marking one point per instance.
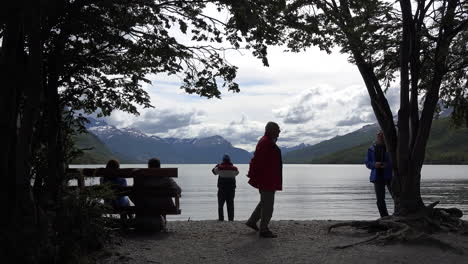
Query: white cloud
point(160, 121)
point(312, 95)
point(302, 108)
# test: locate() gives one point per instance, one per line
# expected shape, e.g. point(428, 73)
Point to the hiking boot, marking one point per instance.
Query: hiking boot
point(252, 225)
point(267, 234)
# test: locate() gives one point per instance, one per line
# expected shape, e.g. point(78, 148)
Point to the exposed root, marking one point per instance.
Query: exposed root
point(414, 229)
point(376, 236)
point(356, 224)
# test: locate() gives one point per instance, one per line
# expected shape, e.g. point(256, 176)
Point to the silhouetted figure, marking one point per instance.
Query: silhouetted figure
point(266, 174)
point(378, 161)
point(226, 186)
point(148, 220)
point(120, 201)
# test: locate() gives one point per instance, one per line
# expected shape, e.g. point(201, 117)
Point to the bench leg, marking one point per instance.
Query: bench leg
point(177, 203)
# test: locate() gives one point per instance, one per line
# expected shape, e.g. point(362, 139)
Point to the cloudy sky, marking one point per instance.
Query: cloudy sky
point(312, 95)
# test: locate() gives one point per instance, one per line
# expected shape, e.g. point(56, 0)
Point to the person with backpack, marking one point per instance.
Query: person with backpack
point(227, 173)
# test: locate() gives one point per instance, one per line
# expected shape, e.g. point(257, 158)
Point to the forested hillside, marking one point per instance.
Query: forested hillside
point(447, 145)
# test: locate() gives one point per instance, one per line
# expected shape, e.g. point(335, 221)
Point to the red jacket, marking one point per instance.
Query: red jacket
point(266, 166)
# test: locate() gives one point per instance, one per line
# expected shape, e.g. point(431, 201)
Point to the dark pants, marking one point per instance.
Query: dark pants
point(379, 187)
point(264, 210)
point(226, 195)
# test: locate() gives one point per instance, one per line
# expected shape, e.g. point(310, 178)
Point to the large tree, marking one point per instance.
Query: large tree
point(419, 47)
point(420, 43)
point(58, 57)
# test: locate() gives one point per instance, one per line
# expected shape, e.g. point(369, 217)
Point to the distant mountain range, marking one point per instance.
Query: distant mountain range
point(338, 143)
point(447, 145)
point(133, 146)
point(285, 150)
point(129, 145)
point(94, 151)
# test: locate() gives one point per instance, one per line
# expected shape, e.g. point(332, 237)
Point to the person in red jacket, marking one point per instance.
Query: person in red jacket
point(265, 173)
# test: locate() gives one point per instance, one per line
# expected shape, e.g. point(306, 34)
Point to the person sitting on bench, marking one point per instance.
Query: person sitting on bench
point(120, 201)
point(163, 203)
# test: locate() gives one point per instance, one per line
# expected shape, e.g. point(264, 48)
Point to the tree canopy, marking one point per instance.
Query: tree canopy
point(60, 57)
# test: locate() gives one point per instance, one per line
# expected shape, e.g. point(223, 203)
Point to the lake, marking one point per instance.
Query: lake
point(338, 192)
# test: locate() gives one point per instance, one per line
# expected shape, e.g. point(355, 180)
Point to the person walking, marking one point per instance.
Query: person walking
point(378, 161)
point(226, 186)
point(265, 173)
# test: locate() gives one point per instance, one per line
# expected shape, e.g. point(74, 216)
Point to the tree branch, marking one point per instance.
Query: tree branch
point(432, 96)
point(406, 49)
point(461, 27)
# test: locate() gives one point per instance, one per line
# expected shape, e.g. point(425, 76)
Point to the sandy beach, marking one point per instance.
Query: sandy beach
point(297, 242)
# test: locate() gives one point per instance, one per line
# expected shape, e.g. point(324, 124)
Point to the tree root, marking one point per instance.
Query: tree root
point(415, 228)
point(376, 236)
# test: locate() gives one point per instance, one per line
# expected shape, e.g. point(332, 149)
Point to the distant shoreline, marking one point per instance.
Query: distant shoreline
point(76, 164)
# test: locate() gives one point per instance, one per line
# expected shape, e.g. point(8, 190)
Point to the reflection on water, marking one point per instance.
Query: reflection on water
point(337, 192)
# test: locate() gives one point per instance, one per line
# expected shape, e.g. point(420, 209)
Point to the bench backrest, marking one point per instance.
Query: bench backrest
point(138, 191)
point(126, 172)
point(80, 174)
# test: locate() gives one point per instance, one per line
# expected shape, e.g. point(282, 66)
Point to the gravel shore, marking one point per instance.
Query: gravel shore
point(297, 242)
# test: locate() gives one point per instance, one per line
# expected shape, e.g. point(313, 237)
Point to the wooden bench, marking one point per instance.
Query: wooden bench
point(139, 191)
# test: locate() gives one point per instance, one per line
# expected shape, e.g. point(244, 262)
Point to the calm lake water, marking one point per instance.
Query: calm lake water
point(338, 192)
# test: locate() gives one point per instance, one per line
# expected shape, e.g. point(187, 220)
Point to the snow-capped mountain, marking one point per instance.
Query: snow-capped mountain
point(132, 144)
point(285, 150)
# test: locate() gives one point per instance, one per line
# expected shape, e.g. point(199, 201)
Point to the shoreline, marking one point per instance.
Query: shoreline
point(79, 165)
point(210, 241)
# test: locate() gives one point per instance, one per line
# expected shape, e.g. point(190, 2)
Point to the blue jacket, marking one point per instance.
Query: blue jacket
point(370, 164)
point(120, 201)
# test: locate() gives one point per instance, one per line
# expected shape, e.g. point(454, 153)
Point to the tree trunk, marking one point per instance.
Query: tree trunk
point(24, 242)
point(413, 139)
point(406, 196)
point(408, 200)
point(52, 180)
point(31, 100)
point(10, 63)
point(55, 142)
